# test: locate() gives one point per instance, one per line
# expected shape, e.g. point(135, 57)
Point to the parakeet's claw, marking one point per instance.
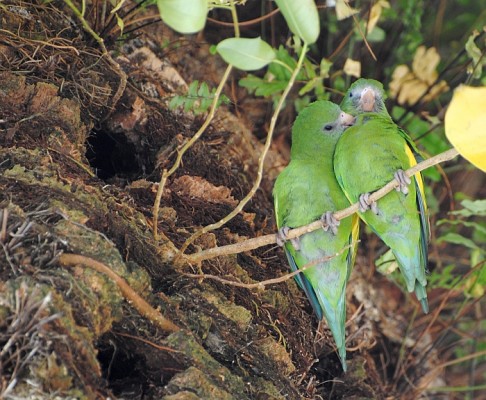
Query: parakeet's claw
point(282, 238)
point(365, 204)
point(329, 222)
point(403, 181)
point(282, 235)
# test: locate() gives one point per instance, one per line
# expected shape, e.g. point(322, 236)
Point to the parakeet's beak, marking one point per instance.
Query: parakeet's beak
point(346, 119)
point(367, 100)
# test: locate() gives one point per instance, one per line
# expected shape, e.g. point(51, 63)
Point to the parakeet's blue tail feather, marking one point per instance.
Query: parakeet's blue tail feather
point(305, 285)
point(335, 314)
point(336, 319)
point(414, 273)
point(421, 294)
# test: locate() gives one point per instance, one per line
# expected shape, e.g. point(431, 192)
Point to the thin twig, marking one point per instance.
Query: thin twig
point(167, 173)
point(257, 242)
point(144, 308)
point(217, 94)
point(261, 159)
point(261, 285)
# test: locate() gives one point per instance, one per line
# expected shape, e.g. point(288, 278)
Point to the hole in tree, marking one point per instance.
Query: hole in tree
point(112, 156)
point(119, 368)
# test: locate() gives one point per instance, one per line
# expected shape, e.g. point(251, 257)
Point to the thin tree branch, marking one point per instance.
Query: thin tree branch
point(261, 285)
point(257, 242)
point(212, 111)
point(144, 308)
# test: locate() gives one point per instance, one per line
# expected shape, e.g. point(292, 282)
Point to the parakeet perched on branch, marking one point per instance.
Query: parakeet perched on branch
point(305, 191)
point(369, 155)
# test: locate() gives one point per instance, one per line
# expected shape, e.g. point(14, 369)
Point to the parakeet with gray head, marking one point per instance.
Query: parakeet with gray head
point(305, 191)
point(370, 154)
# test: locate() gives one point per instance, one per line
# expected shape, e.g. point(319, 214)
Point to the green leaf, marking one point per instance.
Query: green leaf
point(120, 23)
point(262, 87)
point(175, 102)
point(302, 18)
point(478, 207)
point(187, 16)
point(474, 225)
point(203, 90)
point(325, 67)
point(310, 85)
point(386, 263)
point(192, 89)
point(478, 61)
point(246, 54)
point(455, 238)
point(471, 208)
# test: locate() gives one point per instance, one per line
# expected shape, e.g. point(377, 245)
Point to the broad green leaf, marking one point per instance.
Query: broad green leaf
point(246, 54)
point(302, 18)
point(465, 123)
point(474, 225)
point(184, 16)
point(478, 207)
point(455, 238)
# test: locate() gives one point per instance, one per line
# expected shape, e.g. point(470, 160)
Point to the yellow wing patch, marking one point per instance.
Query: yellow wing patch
point(418, 175)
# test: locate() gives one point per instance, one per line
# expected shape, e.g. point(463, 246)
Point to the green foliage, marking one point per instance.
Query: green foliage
point(477, 58)
point(246, 54)
point(446, 278)
point(278, 74)
point(409, 13)
point(471, 219)
point(198, 99)
point(302, 18)
point(432, 142)
point(188, 16)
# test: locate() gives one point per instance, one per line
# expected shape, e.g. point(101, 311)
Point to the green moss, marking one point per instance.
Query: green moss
point(198, 357)
point(239, 315)
point(198, 382)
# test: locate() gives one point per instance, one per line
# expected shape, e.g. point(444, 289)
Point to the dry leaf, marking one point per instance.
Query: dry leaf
point(344, 10)
point(375, 14)
point(200, 188)
point(409, 86)
point(352, 68)
point(424, 64)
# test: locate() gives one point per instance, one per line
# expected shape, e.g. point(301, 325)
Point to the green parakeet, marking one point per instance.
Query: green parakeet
point(305, 191)
point(369, 155)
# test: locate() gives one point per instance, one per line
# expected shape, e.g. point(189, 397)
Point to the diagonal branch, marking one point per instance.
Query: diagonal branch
point(257, 242)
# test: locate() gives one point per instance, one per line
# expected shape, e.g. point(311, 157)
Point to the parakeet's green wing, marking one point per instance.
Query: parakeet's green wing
point(413, 153)
point(301, 280)
point(304, 191)
point(362, 169)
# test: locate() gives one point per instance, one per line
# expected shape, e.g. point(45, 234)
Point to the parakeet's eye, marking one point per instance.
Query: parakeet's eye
point(350, 94)
point(328, 127)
